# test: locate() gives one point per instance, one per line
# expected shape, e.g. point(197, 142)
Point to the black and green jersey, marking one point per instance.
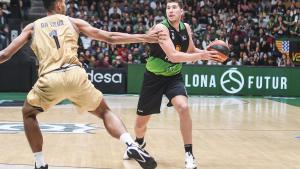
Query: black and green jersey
point(157, 62)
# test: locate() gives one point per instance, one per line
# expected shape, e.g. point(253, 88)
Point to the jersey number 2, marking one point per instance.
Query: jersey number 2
point(53, 34)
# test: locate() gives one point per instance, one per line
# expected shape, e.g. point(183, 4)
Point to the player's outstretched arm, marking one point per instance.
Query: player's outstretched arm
point(114, 37)
point(16, 44)
point(176, 56)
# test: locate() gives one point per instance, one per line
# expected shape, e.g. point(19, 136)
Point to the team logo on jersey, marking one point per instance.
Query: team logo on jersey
point(172, 35)
point(178, 47)
point(61, 128)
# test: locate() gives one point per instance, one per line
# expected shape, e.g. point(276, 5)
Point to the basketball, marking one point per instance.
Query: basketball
point(221, 47)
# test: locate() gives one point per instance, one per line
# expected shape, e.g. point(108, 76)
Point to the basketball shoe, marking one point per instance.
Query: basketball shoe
point(190, 162)
point(141, 156)
point(143, 145)
point(43, 167)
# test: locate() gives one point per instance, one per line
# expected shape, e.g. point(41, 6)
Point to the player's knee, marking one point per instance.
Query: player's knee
point(141, 122)
point(101, 112)
point(25, 111)
point(140, 125)
point(183, 108)
point(28, 112)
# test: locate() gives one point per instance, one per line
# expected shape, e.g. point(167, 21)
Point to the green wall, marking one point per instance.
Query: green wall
point(225, 80)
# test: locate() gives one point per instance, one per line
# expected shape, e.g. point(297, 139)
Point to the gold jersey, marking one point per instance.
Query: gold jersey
point(54, 43)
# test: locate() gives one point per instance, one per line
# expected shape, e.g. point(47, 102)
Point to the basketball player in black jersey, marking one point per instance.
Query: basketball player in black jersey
point(163, 76)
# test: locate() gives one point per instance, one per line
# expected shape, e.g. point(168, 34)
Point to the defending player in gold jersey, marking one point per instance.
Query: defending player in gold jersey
point(61, 76)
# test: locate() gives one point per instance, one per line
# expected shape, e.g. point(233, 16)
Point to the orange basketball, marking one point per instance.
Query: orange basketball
point(221, 47)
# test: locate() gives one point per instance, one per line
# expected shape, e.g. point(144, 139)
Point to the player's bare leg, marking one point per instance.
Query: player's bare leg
point(140, 129)
point(116, 128)
point(181, 105)
point(112, 123)
point(33, 133)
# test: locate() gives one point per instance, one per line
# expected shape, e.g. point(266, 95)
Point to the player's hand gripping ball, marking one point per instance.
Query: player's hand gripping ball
point(221, 47)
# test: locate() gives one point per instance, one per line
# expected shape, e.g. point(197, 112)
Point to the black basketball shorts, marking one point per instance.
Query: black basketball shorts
point(153, 89)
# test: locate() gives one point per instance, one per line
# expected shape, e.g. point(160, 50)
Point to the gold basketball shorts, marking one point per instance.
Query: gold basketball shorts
point(71, 83)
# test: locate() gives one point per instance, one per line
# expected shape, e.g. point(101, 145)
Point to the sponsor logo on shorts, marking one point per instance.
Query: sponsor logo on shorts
point(61, 128)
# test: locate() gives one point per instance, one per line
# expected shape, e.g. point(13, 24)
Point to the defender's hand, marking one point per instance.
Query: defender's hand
point(155, 35)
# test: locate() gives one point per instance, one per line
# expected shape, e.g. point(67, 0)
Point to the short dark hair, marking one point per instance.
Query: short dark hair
point(49, 4)
point(180, 3)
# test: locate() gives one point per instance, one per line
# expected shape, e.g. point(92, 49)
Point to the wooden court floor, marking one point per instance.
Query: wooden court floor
point(228, 133)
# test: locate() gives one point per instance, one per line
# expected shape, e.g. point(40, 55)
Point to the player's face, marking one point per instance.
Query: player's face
point(174, 12)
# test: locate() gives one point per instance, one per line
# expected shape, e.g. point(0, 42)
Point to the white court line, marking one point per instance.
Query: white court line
point(22, 166)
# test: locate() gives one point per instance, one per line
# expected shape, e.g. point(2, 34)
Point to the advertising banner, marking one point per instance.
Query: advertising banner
point(112, 81)
point(225, 80)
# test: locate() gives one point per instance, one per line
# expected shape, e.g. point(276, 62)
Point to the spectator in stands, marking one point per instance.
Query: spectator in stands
point(74, 4)
point(159, 17)
point(233, 62)
point(114, 9)
point(104, 62)
point(279, 7)
point(263, 59)
point(130, 59)
point(82, 59)
point(235, 45)
point(253, 45)
point(280, 27)
point(265, 47)
point(196, 27)
point(296, 15)
point(5, 9)
point(4, 37)
point(25, 5)
point(115, 26)
point(123, 51)
point(206, 41)
point(288, 20)
point(3, 19)
point(72, 7)
point(92, 11)
point(295, 30)
point(118, 62)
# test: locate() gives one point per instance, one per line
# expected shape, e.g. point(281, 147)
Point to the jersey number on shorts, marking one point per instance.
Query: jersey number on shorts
point(53, 34)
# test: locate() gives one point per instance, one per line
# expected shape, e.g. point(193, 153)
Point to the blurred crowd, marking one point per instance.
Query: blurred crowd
point(250, 27)
point(9, 11)
point(4, 28)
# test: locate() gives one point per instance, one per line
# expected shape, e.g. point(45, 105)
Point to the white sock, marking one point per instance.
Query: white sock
point(126, 139)
point(39, 159)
